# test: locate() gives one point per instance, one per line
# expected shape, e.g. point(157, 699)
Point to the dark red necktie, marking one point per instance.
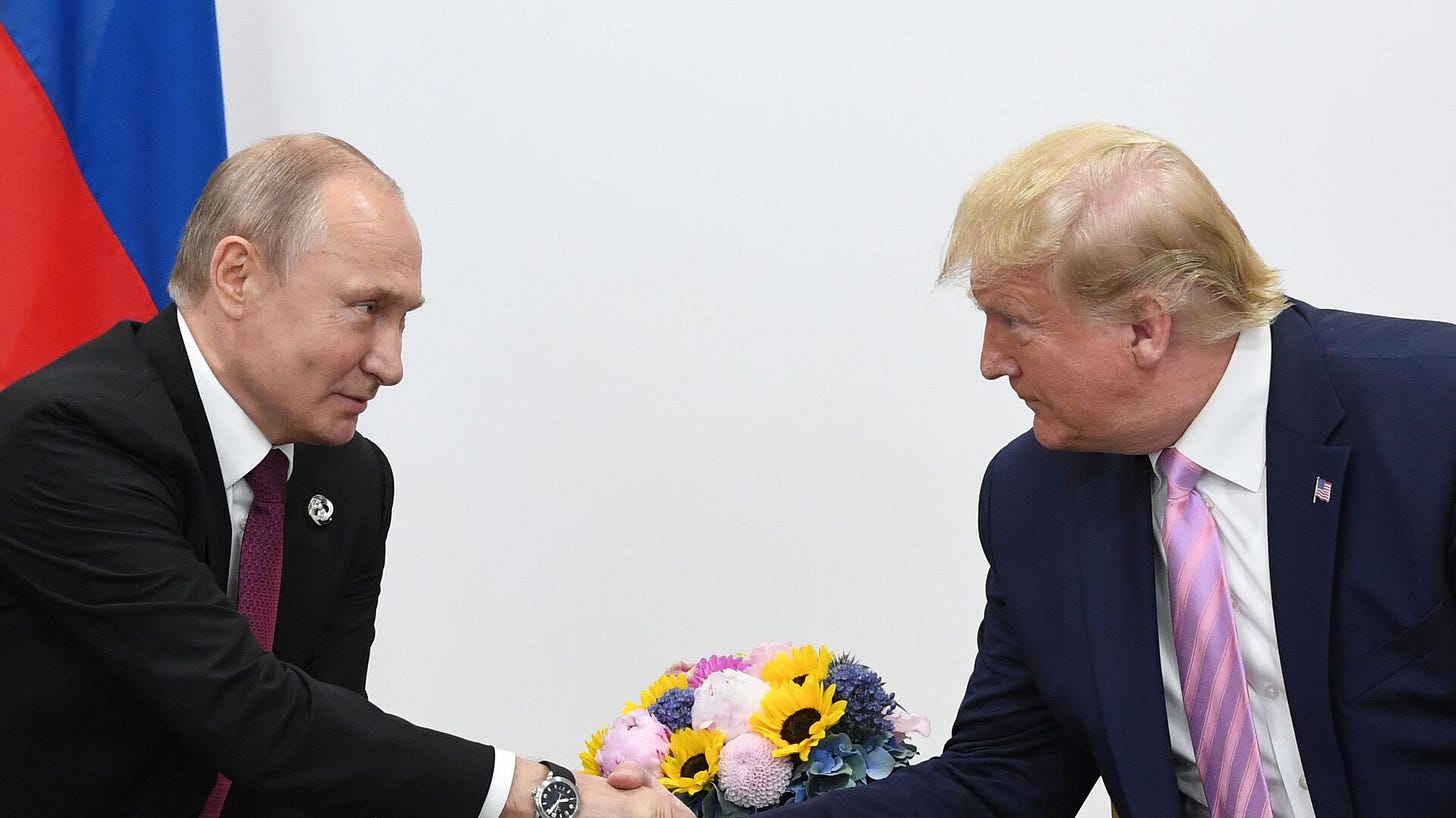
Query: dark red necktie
point(260, 572)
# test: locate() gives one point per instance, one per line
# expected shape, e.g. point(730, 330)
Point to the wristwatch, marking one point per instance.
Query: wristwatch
point(556, 797)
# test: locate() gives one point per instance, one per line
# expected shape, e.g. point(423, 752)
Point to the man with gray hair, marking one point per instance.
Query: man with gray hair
point(1223, 560)
point(192, 535)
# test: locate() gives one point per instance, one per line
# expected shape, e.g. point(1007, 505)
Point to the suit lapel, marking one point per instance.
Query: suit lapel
point(1121, 616)
point(1303, 545)
point(161, 340)
point(310, 549)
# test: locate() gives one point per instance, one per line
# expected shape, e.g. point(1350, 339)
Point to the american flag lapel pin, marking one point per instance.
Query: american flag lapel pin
point(1322, 489)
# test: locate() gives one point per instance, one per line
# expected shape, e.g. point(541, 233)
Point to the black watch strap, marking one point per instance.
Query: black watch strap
point(559, 771)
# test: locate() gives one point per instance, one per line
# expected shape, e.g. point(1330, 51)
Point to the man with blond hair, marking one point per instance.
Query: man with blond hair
point(1222, 561)
point(192, 535)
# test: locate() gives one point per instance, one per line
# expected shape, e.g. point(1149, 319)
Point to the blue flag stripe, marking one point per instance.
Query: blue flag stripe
point(137, 87)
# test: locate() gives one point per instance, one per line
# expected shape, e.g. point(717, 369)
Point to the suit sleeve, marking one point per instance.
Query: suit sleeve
point(1006, 757)
point(92, 538)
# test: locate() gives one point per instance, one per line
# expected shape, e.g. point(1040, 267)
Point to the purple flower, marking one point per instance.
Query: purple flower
point(674, 708)
point(710, 665)
point(868, 702)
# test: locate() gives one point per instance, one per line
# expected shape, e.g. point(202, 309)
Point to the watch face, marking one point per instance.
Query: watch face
point(557, 799)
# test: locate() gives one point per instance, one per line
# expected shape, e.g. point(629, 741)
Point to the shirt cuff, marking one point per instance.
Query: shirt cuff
point(500, 784)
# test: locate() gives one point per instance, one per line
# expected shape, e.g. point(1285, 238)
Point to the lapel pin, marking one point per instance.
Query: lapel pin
point(1322, 489)
point(320, 510)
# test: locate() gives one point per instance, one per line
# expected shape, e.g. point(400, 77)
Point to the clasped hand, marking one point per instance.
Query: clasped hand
point(629, 792)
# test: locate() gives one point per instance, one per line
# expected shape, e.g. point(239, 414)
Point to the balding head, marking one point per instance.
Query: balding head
point(268, 194)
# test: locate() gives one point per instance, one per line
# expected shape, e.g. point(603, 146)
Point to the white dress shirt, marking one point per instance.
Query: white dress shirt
point(241, 445)
point(1227, 440)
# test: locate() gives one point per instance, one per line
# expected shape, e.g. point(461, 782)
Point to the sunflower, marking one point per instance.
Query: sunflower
point(798, 665)
point(654, 691)
point(796, 717)
point(692, 760)
point(589, 763)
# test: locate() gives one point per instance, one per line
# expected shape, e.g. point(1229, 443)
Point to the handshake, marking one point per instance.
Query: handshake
point(629, 792)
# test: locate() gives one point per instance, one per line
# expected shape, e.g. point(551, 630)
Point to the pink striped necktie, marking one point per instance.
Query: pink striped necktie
point(1215, 693)
point(260, 572)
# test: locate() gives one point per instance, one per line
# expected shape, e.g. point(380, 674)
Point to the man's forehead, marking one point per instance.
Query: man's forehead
point(998, 282)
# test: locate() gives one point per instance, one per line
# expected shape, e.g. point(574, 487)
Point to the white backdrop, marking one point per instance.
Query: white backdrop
point(683, 385)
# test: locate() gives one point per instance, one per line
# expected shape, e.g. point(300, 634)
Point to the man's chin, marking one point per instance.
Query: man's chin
point(336, 434)
point(1054, 438)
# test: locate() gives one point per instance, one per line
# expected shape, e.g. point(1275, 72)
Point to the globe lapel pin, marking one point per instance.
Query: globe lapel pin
point(320, 509)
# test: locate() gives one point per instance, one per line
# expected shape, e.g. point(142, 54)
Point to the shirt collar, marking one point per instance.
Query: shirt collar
point(1227, 436)
point(240, 444)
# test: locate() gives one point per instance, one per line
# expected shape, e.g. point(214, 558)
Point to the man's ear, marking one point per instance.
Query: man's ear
point(235, 267)
point(1150, 332)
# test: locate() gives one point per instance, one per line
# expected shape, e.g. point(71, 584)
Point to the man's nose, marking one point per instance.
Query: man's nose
point(994, 362)
point(386, 359)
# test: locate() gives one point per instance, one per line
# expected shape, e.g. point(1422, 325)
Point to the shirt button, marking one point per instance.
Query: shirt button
point(1208, 502)
point(1303, 785)
point(1271, 690)
point(1234, 601)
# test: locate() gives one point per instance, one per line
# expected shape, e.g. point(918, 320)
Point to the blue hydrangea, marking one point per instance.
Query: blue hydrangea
point(674, 709)
point(864, 692)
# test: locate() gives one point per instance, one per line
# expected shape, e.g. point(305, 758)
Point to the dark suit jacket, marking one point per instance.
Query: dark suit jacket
point(1067, 685)
point(126, 677)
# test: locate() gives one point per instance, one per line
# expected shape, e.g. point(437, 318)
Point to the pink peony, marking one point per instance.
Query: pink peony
point(762, 655)
point(748, 773)
point(711, 665)
point(638, 737)
point(725, 701)
point(904, 723)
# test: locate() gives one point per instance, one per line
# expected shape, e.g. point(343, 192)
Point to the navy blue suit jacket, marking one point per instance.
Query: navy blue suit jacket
point(1067, 685)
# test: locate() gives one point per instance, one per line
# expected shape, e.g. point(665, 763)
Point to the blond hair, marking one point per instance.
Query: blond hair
point(1113, 215)
point(267, 194)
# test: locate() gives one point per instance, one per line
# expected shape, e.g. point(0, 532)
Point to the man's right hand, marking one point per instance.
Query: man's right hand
point(628, 793)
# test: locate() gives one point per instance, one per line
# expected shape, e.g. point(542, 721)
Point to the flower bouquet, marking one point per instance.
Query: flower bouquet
point(737, 735)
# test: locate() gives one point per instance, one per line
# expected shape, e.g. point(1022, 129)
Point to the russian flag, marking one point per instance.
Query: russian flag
point(111, 120)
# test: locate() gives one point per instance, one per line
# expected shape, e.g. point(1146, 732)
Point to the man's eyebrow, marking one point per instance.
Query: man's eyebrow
point(390, 295)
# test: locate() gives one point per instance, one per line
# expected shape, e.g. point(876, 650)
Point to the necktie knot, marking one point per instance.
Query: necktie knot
point(269, 479)
point(1181, 472)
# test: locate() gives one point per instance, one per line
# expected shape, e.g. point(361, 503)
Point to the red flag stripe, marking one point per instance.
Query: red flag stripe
point(64, 275)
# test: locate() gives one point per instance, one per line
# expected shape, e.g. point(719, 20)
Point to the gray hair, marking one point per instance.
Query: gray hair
point(267, 194)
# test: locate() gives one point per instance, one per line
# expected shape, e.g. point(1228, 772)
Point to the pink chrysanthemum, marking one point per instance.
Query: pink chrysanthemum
point(748, 773)
point(710, 665)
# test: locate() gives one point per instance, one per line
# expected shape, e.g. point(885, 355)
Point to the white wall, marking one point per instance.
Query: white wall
point(682, 384)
